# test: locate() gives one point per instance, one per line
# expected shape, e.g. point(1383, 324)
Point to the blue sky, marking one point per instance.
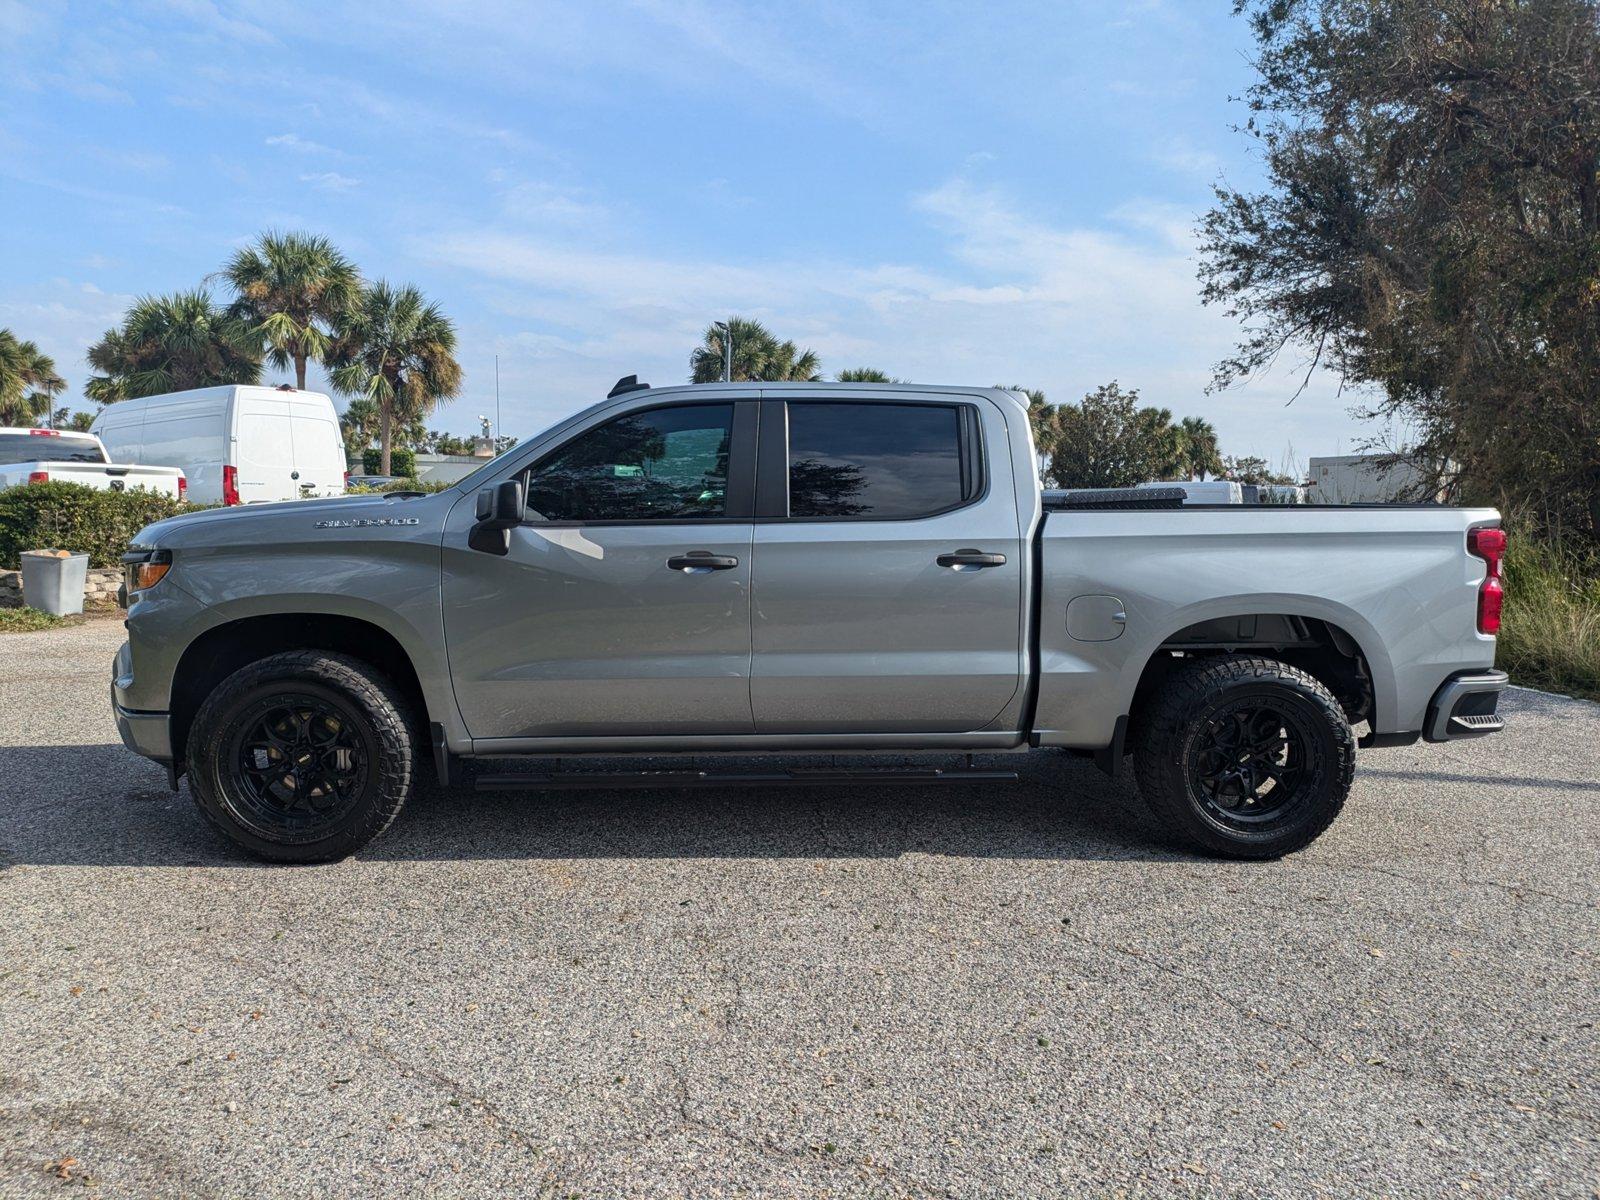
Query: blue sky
point(952, 192)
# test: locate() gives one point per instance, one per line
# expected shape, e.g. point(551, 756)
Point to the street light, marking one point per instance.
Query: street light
point(727, 348)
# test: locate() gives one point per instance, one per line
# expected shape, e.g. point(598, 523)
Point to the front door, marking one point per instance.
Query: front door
point(888, 568)
point(623, 606)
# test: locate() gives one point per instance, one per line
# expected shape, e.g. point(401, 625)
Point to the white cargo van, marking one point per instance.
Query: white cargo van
point(235, 444)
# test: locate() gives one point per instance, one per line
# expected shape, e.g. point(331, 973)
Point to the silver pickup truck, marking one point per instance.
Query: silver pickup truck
point(795, 568)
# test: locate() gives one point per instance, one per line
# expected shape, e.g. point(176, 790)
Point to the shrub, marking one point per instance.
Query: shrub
point(414, 485)
point(402, 461)
point(28, 620)
point(70, 516)
point(1550, 637)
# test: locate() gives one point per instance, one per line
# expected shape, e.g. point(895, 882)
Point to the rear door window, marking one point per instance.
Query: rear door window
point(47, 447)
point(877, 461)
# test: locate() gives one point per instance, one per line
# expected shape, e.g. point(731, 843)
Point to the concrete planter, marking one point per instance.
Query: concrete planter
point(52, 583)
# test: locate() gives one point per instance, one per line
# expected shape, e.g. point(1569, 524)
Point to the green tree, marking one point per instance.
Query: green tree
point(358, 425)
point(169, 344)
point(292, 290)
point(397, 350)
point(1200, 453)
point(1430, 226)
point(65, 418)
point(866, 375)
point(757, 355)
point(1252, 469)
point(403, 461)
point(28, 381)
point(1106, 440)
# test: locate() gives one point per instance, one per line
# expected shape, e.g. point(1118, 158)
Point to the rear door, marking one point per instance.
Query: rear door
point(623, 604)
point(319, 462)
point(888, 567)
point(263, 450)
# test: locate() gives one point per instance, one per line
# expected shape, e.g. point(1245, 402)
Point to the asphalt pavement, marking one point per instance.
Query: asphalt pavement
point(996, 991)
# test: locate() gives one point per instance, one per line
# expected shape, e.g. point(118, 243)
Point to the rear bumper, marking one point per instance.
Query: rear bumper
point(1465, 706)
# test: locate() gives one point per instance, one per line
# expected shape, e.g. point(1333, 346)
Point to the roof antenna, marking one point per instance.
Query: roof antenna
point(628, 383)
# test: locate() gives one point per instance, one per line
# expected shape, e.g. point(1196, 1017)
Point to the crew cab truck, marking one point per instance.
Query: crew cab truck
point(58, 456)
point(795, 568)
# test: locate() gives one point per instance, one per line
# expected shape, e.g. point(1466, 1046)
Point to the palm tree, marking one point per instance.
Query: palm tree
point(359, 425)
point(1200, 453)
point(28, 381)
point(397, 350)
point(866, 375)
point(293, 289)
point(757, 355)
point(169, 344)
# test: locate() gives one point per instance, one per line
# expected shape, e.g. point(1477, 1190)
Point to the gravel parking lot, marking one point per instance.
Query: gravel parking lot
point(1007, 991)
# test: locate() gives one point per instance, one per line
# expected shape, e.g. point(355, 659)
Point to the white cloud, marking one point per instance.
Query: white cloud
point(1018, 300)
point(330, 181)
point(293, 141)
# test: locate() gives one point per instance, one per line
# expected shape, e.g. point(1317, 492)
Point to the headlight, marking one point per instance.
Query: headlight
point(143, 569)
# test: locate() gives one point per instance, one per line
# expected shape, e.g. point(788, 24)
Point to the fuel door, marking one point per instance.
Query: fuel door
point(1096, 618)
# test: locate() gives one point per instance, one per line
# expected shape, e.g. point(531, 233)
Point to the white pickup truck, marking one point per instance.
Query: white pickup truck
point(59, 456)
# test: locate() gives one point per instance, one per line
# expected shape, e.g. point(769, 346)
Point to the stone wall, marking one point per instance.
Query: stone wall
point(100, 591)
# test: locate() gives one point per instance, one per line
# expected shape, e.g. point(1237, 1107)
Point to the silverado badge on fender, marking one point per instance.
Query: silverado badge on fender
point(362, 522)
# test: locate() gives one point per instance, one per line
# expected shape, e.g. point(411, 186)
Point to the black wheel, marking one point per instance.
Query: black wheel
point(1244, 757)
point(302, 757)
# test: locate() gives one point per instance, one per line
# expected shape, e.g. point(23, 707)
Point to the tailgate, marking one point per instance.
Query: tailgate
point(117, 478)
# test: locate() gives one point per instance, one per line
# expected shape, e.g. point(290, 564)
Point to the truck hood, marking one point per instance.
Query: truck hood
point(299, 519)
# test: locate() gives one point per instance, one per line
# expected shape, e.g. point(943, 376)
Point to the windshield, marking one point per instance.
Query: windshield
point(47, 447)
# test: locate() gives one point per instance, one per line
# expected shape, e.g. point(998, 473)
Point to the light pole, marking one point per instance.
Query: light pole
point(727, 348)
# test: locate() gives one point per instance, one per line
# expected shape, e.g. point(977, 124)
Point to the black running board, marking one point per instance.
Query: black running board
point(571, 781)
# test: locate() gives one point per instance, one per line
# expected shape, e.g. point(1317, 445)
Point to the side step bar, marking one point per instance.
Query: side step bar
point(562, 781)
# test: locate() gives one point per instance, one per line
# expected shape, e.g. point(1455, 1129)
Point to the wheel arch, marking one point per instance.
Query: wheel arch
point(225, 648)
point(1334, 644)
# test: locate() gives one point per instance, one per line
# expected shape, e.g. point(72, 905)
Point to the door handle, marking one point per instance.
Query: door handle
point(698, 562)
point(970, 560)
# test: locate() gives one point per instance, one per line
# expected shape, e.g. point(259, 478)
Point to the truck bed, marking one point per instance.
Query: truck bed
point(1395, 579)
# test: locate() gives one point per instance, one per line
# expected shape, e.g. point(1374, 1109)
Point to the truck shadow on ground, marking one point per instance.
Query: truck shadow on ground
point(98, 805)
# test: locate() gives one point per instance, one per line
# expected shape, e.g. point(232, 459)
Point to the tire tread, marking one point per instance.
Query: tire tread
point(1159, 728)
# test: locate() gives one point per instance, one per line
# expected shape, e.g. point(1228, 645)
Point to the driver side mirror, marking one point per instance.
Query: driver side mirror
point(500, 509)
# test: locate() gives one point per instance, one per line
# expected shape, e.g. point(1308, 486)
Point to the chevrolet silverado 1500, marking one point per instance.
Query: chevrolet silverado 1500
point(796, 568)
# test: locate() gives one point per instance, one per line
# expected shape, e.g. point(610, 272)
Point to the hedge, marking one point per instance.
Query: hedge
point(402, 461)
point(70, 516)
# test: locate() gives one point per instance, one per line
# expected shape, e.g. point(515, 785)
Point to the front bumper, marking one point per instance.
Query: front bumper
point(146, 733)
point(1465, 707)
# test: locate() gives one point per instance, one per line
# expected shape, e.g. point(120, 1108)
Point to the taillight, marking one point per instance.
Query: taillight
point(230, 485)
point(183, 487)
point(1489, 545)
point(44, 433)
point(38, 476)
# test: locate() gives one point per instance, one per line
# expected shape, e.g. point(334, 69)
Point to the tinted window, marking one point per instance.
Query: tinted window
point(39, 447)
point(665, 464)
point(874, 460)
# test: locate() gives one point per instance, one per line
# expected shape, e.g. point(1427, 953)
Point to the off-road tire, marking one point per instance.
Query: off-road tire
point(1169, 732)
point(354, 687)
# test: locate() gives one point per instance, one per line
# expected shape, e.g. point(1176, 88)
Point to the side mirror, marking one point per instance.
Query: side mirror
point(499, 510)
